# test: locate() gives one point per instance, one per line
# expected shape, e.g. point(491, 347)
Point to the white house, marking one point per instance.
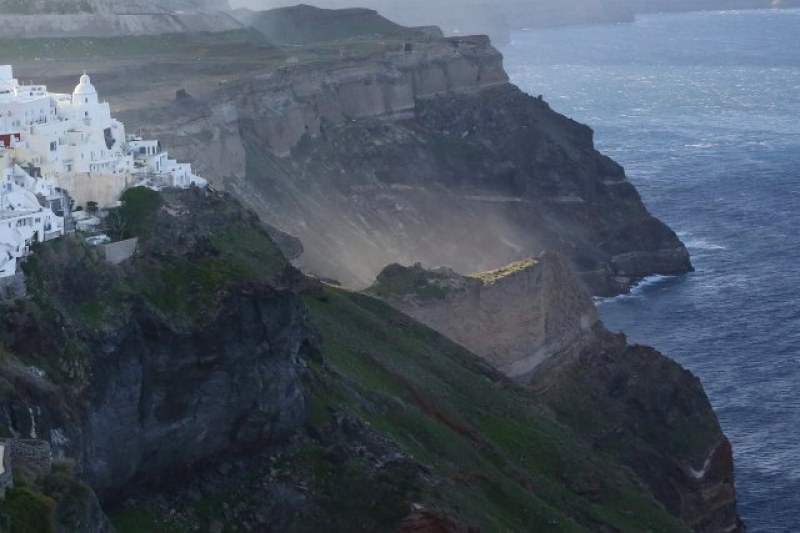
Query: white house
point(26, 213)
point(73, 141)
point(53, 143)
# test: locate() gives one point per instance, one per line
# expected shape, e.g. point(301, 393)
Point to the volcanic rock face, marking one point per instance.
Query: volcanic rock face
point(166, 397)
point(112, 18)
point(535, 322)
point(653, 415)
point(423, 152)
point(188, 364)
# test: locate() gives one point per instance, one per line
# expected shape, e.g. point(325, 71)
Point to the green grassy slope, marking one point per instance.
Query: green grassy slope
point(501, 462)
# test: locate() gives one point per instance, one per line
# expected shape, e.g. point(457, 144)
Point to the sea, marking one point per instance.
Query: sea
point(703, 111)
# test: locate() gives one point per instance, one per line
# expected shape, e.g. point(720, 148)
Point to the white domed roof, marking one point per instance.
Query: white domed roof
point(85, 87)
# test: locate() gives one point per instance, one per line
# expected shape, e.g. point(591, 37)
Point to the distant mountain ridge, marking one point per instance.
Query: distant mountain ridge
point(66, 7)
point(498, 18)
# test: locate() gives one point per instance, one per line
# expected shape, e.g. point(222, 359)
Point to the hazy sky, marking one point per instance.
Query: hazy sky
point(267, 4)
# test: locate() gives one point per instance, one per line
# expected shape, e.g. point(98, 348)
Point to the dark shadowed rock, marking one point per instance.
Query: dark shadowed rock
point(192, 348)
point(643, 408)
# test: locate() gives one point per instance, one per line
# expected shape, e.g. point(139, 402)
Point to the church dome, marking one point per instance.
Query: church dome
point(85, 87)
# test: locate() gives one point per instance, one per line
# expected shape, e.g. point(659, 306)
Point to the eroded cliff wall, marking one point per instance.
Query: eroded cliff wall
point(536, 323)
point(420, 151)
point(285, 106)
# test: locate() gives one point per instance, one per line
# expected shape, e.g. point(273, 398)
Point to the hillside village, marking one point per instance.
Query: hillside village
point(65, 151)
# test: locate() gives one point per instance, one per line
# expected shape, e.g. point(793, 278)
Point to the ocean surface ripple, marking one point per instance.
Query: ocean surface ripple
point(703, 110)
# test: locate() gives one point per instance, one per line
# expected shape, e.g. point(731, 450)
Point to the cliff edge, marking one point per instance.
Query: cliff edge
point(535, 322)
point(417, 148)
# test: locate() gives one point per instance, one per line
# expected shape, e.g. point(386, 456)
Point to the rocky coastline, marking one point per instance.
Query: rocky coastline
point(216, 356)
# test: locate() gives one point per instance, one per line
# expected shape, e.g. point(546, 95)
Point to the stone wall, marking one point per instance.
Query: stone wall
point(31, 458)
point(12, 287)
point(117, 252)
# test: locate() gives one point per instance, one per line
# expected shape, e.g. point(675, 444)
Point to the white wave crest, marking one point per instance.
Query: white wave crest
point(637, 291)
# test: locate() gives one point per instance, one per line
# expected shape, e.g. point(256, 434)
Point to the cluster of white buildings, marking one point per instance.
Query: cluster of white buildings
point(62, 148)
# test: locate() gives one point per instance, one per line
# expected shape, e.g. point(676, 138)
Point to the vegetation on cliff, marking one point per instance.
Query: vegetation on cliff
point(197, 361)
point(415, 281)
point(403, 424)
point(375, 422)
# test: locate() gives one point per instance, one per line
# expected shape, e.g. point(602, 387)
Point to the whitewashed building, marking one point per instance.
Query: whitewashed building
point(31, 210)
point(73, 141)
point(51, 144)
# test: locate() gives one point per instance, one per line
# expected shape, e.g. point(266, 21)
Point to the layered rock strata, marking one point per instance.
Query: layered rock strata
point(421, 151)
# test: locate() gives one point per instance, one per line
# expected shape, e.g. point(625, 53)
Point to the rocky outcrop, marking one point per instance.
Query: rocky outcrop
point(116, 7)
point(653, 415)
point(537, 324)
point(112, 18)
point(304, 24)
point(496, 18)
point(189, 364)
point(168, 396)
point(515, 318)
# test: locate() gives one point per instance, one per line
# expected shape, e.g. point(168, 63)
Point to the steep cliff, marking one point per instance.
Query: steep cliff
point(534, 322)
point(653, 415)
point(418, 150)
point(117, 7)
point(194, 391)
point(388, 147)
point(192, 348)
point(304, 24)
point(112, 18)
point(496, 18)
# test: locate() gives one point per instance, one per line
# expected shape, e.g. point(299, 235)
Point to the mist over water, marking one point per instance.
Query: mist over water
point(702, 109)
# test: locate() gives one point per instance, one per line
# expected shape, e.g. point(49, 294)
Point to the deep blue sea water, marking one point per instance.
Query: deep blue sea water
point(703, 110)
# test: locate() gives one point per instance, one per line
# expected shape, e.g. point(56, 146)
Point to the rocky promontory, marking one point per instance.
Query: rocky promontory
point(535, 322)
point(188, 350)
point(516, 317)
